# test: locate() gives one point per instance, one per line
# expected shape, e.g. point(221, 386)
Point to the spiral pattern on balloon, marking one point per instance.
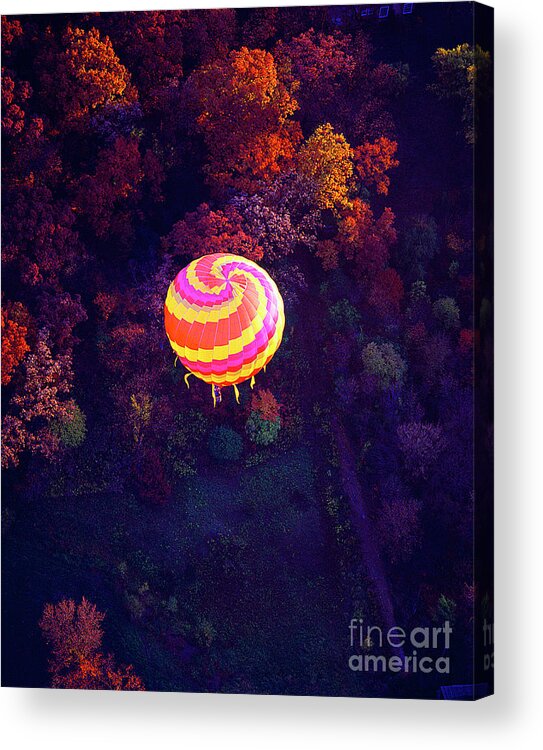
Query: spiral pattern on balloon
point(224, 318)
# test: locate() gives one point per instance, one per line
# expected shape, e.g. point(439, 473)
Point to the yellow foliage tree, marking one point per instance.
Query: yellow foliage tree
point(326, 159)
point(464, 73)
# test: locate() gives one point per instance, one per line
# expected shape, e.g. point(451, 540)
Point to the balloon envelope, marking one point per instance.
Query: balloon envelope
point(224, 318)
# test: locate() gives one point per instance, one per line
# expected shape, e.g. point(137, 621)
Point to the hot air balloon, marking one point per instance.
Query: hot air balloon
point(224, 318)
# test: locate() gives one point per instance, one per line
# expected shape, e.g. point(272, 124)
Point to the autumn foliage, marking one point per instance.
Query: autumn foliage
point(82, 74)
point(74, 635)
point(298, 138)
point(243, 110)
point(205, 231)
point(362, 239)
point(265, 404)
point(374, 160)
point(326, 159)
point(15, 328)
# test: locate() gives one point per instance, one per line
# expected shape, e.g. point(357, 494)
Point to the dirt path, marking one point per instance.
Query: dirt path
point(363, 524)
point(310, 336)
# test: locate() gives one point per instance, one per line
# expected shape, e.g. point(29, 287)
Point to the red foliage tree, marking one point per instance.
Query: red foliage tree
point(59, 313)
point(74, 634)
point(465, 341)
point(264, 403)
point(15, 95)
point(259, 28)
point(373, 160)
point(15, 328)
point(386, 292)
point(205, 231)
point(43, 398)
point(361, 239)
point(316, 65)
point(39, 236)
point(243, 110)
point(151, 43)
point(12, 35)
point(209, 34)
point(107, 198)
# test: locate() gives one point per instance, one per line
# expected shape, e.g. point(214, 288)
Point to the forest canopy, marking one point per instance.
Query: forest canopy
point(336, 153)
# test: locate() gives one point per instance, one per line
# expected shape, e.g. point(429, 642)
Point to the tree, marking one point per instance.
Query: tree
point(243, 110)
point(225, 444)
point(316, 64)
point(39, 236)
point(264, 420)
point(270, 224)
point(21, 130)
point(463, 73)
point(74, 635)
point(262, 431)
point(59, 313)
point(27, 154)
point(386, 292)
point(105, 198)
point(151, 43)
point(420, 244)
point(42, 400)
point(383, 363)
point(361, 239)
point(152, 484)
point(282, 215)
point(12, 35)
point(264, 403)
point(372, 87)
point(259, 28)
point(101, 673)
point(15, 329)
point(209, 34)
point(399, 521)
point(81, 75)
point(71, 430)
point(326, 159)
point(421, 444)
point(204, 231)
point(141, 408)
point(373, 160)
point(446, 310)
point(466, 340)
point(48, 381)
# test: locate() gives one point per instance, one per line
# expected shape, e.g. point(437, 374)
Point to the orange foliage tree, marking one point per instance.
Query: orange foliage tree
point(82, 74)
point(243, 111)
point(373, 160)
point(264, 403)
point(15, 325)
point(74, 634)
